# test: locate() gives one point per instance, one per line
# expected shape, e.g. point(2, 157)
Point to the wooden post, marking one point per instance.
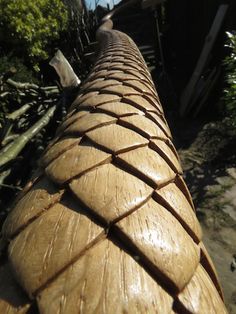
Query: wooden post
point(188, 94)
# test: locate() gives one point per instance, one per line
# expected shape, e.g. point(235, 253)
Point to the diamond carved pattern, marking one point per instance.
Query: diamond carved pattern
point(109, 227)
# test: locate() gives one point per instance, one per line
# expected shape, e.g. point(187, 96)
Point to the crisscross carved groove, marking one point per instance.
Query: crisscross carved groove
point(112, 229)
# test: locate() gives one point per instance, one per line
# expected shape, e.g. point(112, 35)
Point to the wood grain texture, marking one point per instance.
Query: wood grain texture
point(166, 151)
point(108, 224)
point(57, 149)
point(172, 197)
point(162, 240)
point(160, 121)
point(71, 119)
point(141, 102)
point(60, 234)
point(144, 126)
point(121, 109)
point(39, 198)
point(197, 295)
point(104, 192)
point(88, 286)
point(87, 123)
point(116, 138)
point(149, 163)
point(80, 158)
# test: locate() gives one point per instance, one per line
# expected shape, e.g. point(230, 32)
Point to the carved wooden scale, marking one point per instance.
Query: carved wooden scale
point(108, 225)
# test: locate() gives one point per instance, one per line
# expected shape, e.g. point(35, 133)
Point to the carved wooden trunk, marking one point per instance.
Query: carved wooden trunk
point(108, 225)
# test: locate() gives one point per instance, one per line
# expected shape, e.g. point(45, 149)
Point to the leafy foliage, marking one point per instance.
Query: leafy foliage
point(229, 97)
point(22, 74)
point(28, 26)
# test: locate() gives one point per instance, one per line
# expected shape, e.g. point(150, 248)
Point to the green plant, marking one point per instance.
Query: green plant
point(23, 74)
point(229, 97)
point(28, 26)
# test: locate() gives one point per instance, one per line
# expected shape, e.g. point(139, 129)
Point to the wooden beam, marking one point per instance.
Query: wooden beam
point(189, 91)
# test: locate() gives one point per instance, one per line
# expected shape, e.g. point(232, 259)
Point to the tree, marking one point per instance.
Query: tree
point(27, 27)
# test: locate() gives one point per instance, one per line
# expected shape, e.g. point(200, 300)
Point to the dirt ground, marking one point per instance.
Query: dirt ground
point(210, 173)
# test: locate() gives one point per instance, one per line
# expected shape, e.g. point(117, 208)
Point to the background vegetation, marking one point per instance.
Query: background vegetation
point(31, 100)
point(28, 27)
point(229, 97)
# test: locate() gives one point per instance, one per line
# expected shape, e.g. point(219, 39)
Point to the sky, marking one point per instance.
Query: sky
point(91, 3)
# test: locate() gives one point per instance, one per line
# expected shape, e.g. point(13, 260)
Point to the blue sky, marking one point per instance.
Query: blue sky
point(91, 3)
